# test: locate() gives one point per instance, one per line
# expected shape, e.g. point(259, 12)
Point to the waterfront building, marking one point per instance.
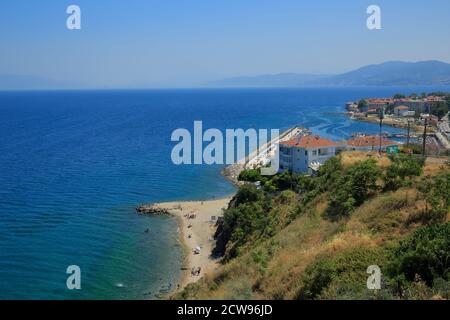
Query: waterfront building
point(403, 111)
point(305, 154)
point(370, 143)
point(419, 105)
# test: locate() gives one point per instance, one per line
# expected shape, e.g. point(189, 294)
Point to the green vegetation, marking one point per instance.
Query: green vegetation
point(301, 237)
point(362, 104)
point(402, 171)
point(440, 109)
point(355, 186)
point(423, 256)
point(340, 276)
point(436, 193)
point(251, 175)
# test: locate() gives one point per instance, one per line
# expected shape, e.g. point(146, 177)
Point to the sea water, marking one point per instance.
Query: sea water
point(75, 164)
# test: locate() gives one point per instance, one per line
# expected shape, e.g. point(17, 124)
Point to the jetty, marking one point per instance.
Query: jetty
point(152, 210)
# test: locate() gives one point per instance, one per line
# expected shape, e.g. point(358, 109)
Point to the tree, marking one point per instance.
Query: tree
point(363, 177)
point(425, 253)
point(330, 173)
point(439, 109)
point(402, 170)
point(436, 192)
point(247, 193)
point(399, 96)
point(361, 104)
point(251, 175)
point(354, 187)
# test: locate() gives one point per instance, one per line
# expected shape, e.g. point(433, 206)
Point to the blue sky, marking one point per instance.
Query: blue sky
point(186, 42)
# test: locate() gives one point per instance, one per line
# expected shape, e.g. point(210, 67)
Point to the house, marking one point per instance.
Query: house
point(305, 154)
point(370, 143)
point(403, 111)
point(422, 105)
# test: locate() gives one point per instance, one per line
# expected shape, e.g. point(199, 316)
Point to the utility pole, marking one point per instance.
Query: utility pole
point(409, 130)
point(424, 137)
point(381, 115)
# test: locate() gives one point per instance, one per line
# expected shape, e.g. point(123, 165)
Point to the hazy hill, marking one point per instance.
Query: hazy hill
point(394, 73)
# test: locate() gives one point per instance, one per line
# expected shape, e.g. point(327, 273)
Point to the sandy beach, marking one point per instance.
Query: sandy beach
point(197, 221)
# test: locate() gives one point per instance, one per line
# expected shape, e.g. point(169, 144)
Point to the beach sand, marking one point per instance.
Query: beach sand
point(196, 232)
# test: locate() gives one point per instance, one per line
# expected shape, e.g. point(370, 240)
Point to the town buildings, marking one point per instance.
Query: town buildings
point(404, 111)
point(305, 154)
point(370, 143)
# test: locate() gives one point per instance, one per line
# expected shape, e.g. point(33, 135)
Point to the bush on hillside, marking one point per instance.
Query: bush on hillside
point(343, 274)
point(251, 175)
point(424, 255)
point(402, 170)
point(355, 186)
point(436, 192)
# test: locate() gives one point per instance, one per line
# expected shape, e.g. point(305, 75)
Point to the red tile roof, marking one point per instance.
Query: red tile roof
point(368, 141)
point(309, 142)
point(401, 108)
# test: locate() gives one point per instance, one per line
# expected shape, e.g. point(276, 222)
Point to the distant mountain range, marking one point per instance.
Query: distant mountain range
point(394, 73)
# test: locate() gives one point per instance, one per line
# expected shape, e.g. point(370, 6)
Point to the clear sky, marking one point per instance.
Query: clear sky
point(135, 43)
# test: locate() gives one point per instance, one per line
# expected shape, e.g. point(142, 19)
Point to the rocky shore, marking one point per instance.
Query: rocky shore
point(232, 172)
point(153, 210)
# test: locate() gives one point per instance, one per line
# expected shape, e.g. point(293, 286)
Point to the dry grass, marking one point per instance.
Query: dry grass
point(349, 158)
point(432, 169)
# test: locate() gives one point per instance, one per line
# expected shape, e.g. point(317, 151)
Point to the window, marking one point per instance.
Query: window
point(314, 152)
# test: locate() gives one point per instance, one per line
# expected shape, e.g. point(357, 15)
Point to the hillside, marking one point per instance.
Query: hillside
point(394, 73)
point(314, 238)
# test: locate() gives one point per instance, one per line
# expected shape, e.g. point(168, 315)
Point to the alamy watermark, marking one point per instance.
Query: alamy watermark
point(73, 22)
point(374, 280)
point(74, 279)
point(374, 19)
point(231, 149)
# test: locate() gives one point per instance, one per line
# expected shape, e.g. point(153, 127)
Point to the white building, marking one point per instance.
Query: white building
point(305, 153)
point(403, 111)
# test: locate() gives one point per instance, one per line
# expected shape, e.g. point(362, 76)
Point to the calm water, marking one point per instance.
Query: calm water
point(73, 165)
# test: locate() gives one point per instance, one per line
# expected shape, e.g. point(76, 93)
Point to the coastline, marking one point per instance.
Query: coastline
point(392, 123)
point(196, 228)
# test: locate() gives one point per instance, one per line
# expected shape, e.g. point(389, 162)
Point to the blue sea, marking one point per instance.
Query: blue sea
point(75, 164)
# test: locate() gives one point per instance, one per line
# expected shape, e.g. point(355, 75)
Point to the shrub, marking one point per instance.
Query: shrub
point(352, 188)
point(247, 193)
point(343, 274)
point(401, 171)
point(251, 175)
point(330, 173)
point(425, 253)
point(436, 191)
